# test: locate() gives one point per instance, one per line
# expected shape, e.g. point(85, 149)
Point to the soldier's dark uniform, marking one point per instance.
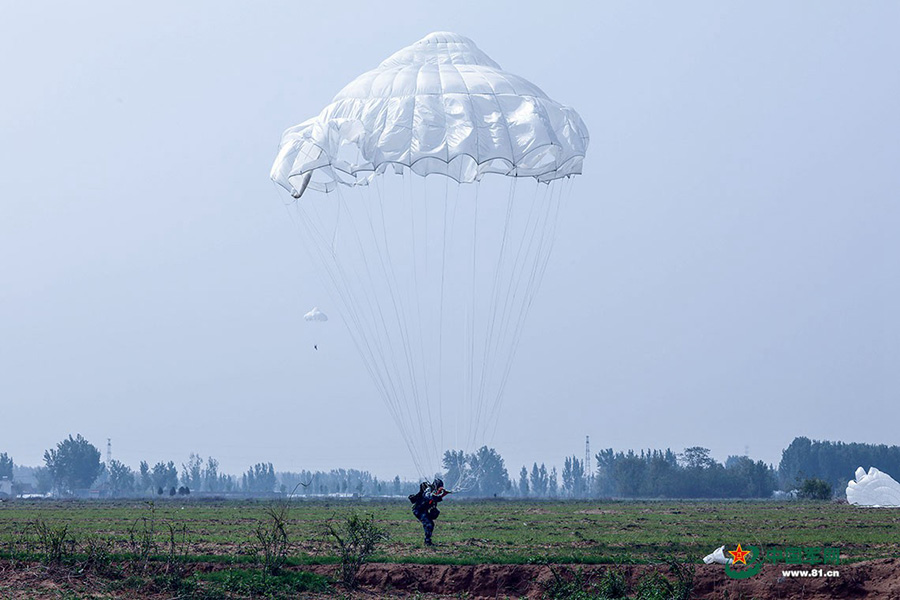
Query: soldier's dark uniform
point(425, 506)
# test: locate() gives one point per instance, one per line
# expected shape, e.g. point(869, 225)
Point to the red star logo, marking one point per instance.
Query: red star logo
point(740, 556)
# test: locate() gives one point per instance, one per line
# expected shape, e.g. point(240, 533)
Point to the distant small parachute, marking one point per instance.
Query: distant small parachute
point(315, 315)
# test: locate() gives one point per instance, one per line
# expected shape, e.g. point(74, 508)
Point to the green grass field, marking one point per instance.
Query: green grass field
point(474, 532)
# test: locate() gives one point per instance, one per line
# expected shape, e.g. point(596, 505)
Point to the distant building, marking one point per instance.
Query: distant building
point(5, 487)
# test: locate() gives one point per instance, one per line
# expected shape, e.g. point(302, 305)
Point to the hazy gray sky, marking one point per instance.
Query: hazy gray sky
point(726, 273)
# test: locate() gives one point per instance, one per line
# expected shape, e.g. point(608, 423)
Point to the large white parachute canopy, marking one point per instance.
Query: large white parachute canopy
point(315, 315)
point(438, 106)
point(874, 488)
point(434, 276)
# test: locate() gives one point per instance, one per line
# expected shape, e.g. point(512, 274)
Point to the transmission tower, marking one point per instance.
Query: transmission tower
point(108, 451)
point(588, 473)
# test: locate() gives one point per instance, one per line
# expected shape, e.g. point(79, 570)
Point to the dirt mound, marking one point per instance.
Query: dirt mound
point(480, 581)
point(871, 579)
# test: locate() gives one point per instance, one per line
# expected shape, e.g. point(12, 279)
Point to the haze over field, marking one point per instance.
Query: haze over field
point(726, 272)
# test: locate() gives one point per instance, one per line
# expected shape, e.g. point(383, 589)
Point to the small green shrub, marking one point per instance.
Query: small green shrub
point(132, 582)
point(357, 537)
point(612, 584)
point(815, 489)
point(174, 583)
point(684, 579)
point(52, 541)
point(97, 553)
point(271, 541)
point(177, 547)
point(654, 586)
point(247, 582)
point(574, 586)
point(142, 536)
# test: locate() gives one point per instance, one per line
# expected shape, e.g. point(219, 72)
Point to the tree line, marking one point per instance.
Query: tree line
point(834, 462)
point(647, 474)
point(812, 469)
point(74, 466)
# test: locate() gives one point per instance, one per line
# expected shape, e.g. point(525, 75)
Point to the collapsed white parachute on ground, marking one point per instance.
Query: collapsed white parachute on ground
point(434, 276)
point(315, 315)
point(874, 488)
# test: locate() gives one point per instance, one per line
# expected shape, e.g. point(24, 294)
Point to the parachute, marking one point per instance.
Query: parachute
point(874, 488)
point(315, 315)
point(717, 556)
point(434, 276)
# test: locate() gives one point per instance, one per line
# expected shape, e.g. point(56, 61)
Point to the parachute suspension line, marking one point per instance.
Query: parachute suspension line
point(401, 316)
point(385, 263)
point(486, 354)
point(427, 435)
point(371, 306)
point(515, 317)
point(470, 342)
point(519, 265)
point(548, 237)
point(398, 396)
point(563, 195)
point(440, 345)
point(427, 346)
point(337, 224)
point(412, 405)
point(453, 227)
point(414, 301)
point(398, 305)
point(315, 235)
point(367, 357)
point(510, 296)
point(424, 434)
point(375, 351)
